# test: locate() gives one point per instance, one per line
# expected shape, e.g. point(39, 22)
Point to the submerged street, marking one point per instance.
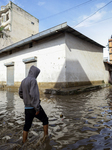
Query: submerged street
point(77, 122)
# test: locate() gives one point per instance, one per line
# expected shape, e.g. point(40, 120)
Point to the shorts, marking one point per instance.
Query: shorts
point(30, 114)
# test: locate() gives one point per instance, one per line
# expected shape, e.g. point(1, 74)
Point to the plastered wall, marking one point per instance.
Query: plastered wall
point(50, 59)
point(84, 61)
point(20, 25)
point(64, 61)
point(23, 24)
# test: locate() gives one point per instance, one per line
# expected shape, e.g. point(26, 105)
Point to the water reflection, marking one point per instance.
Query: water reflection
point(81, 122)
point(9, 101)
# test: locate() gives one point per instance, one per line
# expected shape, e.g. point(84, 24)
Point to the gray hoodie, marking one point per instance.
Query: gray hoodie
point(28, 89)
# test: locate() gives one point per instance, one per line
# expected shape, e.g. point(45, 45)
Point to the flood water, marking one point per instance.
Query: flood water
point(77, 122)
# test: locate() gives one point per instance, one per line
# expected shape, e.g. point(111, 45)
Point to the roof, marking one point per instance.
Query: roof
point(47, 33)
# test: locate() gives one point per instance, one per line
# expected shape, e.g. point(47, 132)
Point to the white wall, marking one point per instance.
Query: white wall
point(75, 61)
point(50, 59)
point(21, 24)
point(2, 72)
point(106, 53)
point(84, 61)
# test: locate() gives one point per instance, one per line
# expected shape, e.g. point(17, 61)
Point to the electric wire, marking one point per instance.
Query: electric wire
point(92, 14)
point(101, 21)
point(65, 10)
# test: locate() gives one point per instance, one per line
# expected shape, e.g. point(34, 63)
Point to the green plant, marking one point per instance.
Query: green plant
point(1, 28)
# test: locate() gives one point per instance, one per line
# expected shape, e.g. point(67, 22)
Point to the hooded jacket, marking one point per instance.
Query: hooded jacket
point(28, 89)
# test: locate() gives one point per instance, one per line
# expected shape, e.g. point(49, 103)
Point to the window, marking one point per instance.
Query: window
point(1, 35)
point(32, 23)
point(10, 73)
point(30, 45)
point(3, 18)
point(28, 63)
point(7, 16)
point(10, 52)
point(27, 67)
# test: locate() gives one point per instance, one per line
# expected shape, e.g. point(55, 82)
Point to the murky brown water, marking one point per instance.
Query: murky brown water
point(86, 122)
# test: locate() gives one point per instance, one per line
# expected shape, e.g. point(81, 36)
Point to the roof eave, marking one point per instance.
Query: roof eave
point(35, 37)
point(49, 32)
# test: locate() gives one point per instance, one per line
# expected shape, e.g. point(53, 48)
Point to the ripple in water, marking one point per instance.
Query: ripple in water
point(78, 122)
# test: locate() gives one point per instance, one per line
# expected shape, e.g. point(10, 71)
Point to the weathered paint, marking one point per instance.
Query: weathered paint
point(64, 61)
point(50, 59)
point(84, 61)
point(10, 75)
point(20, 25)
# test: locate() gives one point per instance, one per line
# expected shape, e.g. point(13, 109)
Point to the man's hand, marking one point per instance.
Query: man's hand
point(37, 113)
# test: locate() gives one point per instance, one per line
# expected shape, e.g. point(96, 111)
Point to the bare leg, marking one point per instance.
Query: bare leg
point(25, 134)
point(45, 129)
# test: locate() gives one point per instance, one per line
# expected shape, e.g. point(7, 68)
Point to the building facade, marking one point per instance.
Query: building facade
point(16, 24)
point(65, 57)
point(110, 50)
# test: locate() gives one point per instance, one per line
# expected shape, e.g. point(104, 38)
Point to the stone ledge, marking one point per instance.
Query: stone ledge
point(74, 90)
point(9, 88)
point(61, 91)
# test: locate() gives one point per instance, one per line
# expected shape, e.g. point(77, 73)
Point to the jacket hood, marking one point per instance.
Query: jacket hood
point(33, 72)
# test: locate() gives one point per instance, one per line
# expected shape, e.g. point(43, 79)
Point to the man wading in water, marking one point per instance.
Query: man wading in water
point(29, 92)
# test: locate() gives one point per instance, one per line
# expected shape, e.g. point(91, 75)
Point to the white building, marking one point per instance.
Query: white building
point(65, 57)
point(16, 24)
